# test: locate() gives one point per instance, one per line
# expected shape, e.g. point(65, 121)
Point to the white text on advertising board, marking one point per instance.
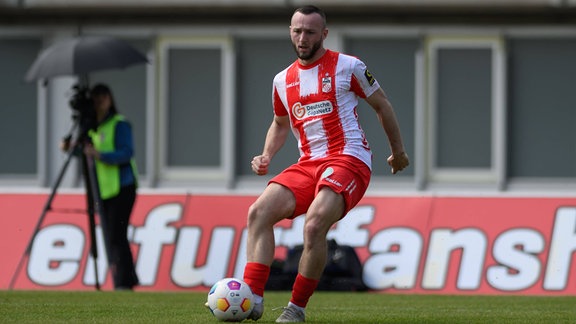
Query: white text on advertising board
point(397, 256)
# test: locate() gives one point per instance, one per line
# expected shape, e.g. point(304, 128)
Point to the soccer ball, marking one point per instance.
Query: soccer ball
point(230, 300)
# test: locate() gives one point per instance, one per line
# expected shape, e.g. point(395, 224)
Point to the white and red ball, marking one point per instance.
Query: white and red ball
point(230, 300)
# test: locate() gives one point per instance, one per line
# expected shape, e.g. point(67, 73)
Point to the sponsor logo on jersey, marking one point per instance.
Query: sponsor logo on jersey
point(369, 77)
point(300, 111)
point(292, 84)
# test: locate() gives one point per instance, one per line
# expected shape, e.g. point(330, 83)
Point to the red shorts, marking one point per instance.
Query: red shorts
point(343, 174)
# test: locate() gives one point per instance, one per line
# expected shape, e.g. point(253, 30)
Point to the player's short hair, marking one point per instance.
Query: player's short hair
point(310, 9)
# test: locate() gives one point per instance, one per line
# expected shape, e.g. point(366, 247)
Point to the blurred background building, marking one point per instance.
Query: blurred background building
point(485, 90)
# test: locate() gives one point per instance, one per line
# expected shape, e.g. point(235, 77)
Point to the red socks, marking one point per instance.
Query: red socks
point(302, 290)
point(256, 276)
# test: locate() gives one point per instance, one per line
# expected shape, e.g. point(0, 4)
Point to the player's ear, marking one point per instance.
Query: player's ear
point(324, 33)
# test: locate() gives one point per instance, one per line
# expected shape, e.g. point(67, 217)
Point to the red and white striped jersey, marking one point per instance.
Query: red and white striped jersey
point(321, 100)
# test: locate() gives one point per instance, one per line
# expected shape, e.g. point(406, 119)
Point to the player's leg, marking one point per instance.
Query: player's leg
point(342, 183)
point(326, 209)
point(275, 204)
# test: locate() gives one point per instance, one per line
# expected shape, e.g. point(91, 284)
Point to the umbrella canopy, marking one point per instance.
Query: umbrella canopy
point(82, 55)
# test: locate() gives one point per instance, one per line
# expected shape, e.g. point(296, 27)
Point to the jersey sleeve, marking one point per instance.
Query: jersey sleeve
point(279, 108)
point(363, 83)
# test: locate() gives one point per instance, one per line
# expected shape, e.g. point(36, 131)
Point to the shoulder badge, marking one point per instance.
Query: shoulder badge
point(369, 77)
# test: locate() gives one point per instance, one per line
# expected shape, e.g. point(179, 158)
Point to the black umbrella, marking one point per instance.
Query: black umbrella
point(82, 55)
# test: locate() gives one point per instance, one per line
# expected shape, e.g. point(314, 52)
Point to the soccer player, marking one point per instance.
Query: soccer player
point(315, 98)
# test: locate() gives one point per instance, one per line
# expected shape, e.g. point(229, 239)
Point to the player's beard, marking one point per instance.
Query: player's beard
point(313, 50)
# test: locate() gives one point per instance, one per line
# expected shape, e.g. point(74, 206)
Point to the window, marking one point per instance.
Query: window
point(393, 62)
point(542, 108)
point(195, 109)
point(258, 61)
point(465, 109)
point(19, 122)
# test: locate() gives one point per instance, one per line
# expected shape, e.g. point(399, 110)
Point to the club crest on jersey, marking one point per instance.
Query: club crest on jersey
point(300, 111)
point(369, 77)
point(326, 84)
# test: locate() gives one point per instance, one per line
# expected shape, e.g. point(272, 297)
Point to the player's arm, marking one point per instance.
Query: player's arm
point(275, 139)
point(387, 117)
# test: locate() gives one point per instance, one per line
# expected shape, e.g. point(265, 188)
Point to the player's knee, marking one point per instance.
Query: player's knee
point(254, 215)
point(260, 215)
point(315, 230)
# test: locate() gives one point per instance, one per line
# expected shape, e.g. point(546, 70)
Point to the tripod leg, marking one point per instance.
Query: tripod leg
point(92, 198)
point(47, 207)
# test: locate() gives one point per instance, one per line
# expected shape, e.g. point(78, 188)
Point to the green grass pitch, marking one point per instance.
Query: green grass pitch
point(324, 307)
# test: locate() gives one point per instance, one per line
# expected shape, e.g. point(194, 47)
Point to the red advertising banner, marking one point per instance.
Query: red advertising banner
point(445, 245)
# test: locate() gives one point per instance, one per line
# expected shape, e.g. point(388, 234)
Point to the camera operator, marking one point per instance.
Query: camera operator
point(111, 147)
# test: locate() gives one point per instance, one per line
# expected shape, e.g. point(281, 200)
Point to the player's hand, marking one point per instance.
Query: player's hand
point(260, 164)
point(398, 162)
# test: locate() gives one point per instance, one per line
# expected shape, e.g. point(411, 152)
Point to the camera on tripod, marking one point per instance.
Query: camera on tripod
point(83, 109)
